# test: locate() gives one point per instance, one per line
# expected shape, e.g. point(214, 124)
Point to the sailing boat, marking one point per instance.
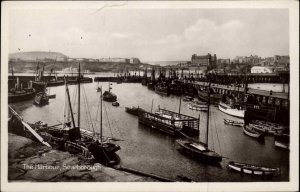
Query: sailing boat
point(79, 140)
point(199, 149)
point(16, 91)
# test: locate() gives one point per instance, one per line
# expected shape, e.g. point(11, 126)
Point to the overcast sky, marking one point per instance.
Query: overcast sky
point(151, 34)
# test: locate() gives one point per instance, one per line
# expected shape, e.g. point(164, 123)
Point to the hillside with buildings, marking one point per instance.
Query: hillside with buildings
point(28, 62)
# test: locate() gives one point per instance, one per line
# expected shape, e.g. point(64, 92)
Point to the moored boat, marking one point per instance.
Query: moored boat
point(134, 110)
point(253, 133)
point(108, 95)
point(162, 88)
point(197, 107)
point(20, 95)
point(234, 123)
point(253, 169)
point(214, 97)
point(116, 104)
point(199, 151)
point(41, 98)
point(233, 111)
point(170, 122)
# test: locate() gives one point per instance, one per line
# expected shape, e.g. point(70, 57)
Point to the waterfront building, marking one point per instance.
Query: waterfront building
point(204, 62)
point(261, 69)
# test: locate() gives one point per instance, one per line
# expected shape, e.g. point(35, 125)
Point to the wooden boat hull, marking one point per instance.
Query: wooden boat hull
point(253, 133)
point(234, 123)
point(198, 107)
point(206, 155)
point(253, 169)
point(233, 112)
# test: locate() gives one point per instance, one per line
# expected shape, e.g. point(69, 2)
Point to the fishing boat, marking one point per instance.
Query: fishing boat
point(41, 98)
point(248, 130)
point(234, 123)
point(53, 82)
point(38, 84)
point(108, 95)
point(214, 96)
point(134, 110)
point(15, 95)
point(199, 149)
point(16, 91)
point(253, 169)
point(162, 88)
point(235, 111)
point(115, 104)
point(175, 88)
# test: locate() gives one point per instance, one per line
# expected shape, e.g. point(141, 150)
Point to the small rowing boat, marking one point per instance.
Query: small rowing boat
point(234, 123)
point(198, 107)
point(253, 169)
point(253, 133)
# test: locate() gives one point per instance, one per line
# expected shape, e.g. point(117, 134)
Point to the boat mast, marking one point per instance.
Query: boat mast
point(101, 116)
point(78, 96)
point(69, 101)
point(207, 122)
point(180, 101)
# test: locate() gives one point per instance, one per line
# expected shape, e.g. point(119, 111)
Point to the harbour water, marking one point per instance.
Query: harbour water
point(151, 151)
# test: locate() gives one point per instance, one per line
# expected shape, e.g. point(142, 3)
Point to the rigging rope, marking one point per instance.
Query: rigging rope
point(89, 118)
point(108, 120)
point(115, 124)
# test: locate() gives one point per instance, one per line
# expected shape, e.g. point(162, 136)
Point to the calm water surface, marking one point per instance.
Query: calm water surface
point(154, 152)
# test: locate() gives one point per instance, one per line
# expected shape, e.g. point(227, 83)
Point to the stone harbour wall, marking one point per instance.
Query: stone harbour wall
point(32, 161)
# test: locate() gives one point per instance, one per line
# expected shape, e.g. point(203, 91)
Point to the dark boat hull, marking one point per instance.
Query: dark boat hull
point(134, 111)
point(207, 156)
point(39, 86)
point(13, 98)
point(55, 83)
